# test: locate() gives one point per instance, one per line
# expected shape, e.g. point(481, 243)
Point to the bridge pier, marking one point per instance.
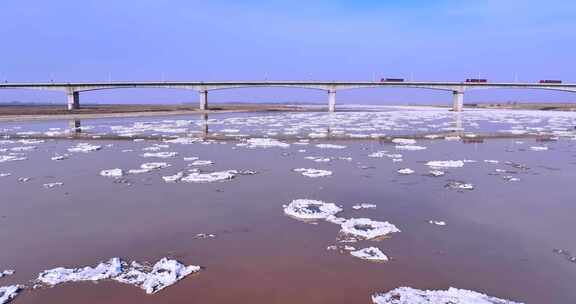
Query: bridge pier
point(457, 101)
point(73, 99)
point(331, 100)
point(204, 100)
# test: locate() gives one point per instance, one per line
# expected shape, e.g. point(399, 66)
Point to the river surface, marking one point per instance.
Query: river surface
point(501, 237)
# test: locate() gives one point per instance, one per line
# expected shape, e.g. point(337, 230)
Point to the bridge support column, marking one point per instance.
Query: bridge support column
point(204, 100)
point(332, 101)
point(457, 101)
point(73, 99)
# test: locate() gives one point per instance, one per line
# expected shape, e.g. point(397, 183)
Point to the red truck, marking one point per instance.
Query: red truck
point(476, 80)
point(550, 81)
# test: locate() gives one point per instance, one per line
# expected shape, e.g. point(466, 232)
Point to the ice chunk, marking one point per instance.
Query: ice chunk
point(371, 254)
point(8, 158)
point(202, 163)
point(491, 161)
point(59, 157)
point(458, 185)
point(445, 163)
point(437, 223)
point(404, 141)
point(330, 146)
point(112, 172)
point(53, 185)
point(366, 228)
point(539, 148)
point(363, 206)
point(84, 147)
point(450, 138)
point(173, 178)
point(308, 209)
point(410, 147)
point(313, 172)
point(104, 270)
point(164, 273)
point(7, 272)
point(197, 177)
point(163, 154)
point(154, 166)
point(405, 171)
point(265, 143)
point(436, 173)
point(7, 293)
point(407, 295)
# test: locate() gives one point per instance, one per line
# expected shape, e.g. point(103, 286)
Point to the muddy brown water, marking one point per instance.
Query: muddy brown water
point(499, 237)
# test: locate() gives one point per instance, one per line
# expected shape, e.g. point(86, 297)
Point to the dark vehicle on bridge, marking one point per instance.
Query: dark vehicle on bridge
point(550, 81)
point(476, 80)
point(392, 80)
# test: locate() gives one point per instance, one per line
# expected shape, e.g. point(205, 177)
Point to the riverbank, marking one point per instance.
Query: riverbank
point(50, 112)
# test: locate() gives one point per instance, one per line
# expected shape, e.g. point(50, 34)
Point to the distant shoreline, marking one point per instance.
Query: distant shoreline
point(17, 112)
point(11, 113)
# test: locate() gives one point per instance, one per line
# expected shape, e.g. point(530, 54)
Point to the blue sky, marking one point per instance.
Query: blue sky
point(92, 40)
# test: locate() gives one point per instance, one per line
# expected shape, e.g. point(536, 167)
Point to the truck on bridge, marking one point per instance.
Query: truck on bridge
point(550, 81)
point(392, 80)
point(477, 80)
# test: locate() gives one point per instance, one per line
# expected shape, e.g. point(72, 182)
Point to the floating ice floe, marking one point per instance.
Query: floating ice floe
point(112, 172)
point(184, 140)
point(5, 174)
point(363, 206)
point(330, 146)
point(204, 236)
point(23, 149)
point(309, 172)
point(491, 161)
point(7, 272)
point(452, 138)
point(510, 178)
point(457, 185)
point(59, 157)
point(410, 147)
point(407, 295)
point(8, 158)
point(318, 159)
point(308, 209)
point(341, 248)
point(539, 148)
point(366, 228)
point(8, 293)
point(154, 166)
point(202, 163)
point(437, 223)
point(163, 274)
point(104, 270)
point(370, 254)
point(405, 171)
point(404, 141)
point(197, 177)
point(265, 143)
point(53, 185)
point(173, 178)
point(24, 179)
point(84, 148)
point(436, 173)
point(163, 154)
point(445, 163)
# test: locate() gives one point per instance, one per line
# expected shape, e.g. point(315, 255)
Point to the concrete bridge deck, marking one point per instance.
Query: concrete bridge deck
point(73, 89)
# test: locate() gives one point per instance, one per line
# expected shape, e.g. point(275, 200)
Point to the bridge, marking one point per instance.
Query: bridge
point(457, 89)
